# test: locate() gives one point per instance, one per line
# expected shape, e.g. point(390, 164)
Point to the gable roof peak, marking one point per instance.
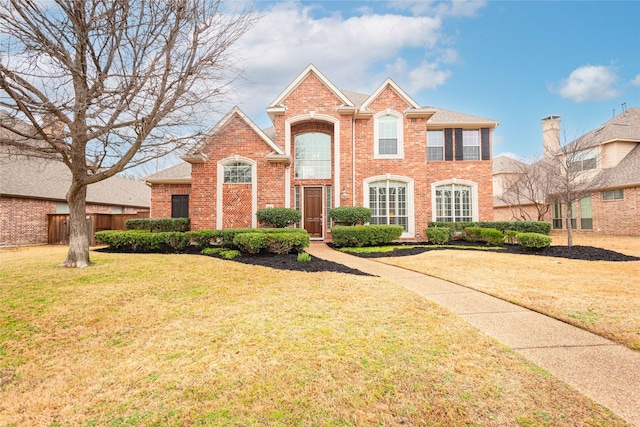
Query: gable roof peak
point(394, 86)
point(310, 69)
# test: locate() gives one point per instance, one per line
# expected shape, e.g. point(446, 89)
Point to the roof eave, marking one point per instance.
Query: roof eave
point(279, 158)
point(168, 181)
point(195, 158)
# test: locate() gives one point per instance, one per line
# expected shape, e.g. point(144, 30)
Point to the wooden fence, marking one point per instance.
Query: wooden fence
point(58, 231)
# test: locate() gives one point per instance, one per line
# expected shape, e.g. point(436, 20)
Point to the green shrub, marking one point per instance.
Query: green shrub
point(143, 241)
point(157, 225)
point(229, 253)
point(521, 226)
point(438, 235)
point(365, 235)
point(283, 243)
point(251, 243)
point(511, 237)
point(350, 215)
point(212, 251)
point(533, 241)
point(278, 217)
point(490, 236)
point(304, 257)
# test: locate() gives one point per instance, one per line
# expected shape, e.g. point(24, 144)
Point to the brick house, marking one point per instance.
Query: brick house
point(329, 147)
point(33, 190)
point(613, 160)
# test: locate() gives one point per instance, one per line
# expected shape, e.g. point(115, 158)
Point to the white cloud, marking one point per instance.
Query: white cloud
point(636, 81)
point(590, 83)
point(351, 51)
point(464, 8)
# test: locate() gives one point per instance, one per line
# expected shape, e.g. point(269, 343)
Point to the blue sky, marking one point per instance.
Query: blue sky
point(512, 61)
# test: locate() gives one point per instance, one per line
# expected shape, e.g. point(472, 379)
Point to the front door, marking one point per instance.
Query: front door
point(313, 211)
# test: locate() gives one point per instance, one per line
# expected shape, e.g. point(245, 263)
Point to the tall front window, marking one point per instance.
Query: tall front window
point(312, 156)
point(387, 135)
point(471, 144)
point(454, 203)
point(388, 203)
point(586, 215)
point(557, 216)
point(435, 145)
point(237, 173)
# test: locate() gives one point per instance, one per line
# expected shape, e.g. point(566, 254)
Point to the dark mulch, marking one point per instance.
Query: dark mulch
point(290, 261)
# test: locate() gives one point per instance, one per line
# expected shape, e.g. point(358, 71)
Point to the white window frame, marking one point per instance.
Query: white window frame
point(441, 147)
point(612, 195)
point(460, 182)
point(298, 167)
point(399, 134)
point(409, 198)
point(466, 143)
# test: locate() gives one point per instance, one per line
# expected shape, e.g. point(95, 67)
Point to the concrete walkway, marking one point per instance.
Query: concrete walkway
point(604, 371)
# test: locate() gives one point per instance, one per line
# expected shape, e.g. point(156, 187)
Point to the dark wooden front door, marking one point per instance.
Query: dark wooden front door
point(313, 211)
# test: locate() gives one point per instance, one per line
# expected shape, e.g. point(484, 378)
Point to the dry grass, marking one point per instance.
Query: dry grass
point(176, 340)
point(603, 297)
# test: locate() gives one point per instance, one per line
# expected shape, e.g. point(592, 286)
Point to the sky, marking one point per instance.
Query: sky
point(511, 61)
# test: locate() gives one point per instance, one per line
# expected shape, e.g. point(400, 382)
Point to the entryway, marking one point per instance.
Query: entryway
point(312, 212)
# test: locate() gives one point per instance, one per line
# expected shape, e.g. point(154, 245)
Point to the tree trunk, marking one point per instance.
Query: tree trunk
point(78, 255)
point(569, 227)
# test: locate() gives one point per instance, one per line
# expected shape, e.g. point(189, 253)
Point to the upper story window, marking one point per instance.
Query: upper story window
point(312, 156)
point(584, 160)
point(435, 145)
point(388, 135)
point(237, 173)
point(471, 144)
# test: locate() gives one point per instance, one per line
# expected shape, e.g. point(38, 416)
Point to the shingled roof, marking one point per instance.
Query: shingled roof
point(38, 178)
point(180, 173)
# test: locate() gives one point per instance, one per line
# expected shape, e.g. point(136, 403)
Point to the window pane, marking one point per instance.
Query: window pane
point(388, 203)
point(312, 156)
point(453, 203)
point(237, 172)
point(435, 145)
point(613, 195)
point(388, 135)
point(586, 221)
point(471, 145)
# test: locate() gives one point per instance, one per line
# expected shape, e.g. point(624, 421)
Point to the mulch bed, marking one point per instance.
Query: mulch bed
point(290, 261)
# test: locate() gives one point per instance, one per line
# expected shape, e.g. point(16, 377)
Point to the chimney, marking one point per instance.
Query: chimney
point(551, 134)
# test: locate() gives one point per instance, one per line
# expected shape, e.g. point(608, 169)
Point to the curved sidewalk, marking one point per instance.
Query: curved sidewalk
point(604, 371)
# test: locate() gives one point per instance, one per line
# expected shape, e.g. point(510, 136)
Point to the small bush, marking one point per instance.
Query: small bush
point(278, 217)
point(365, 235)
point(438, 235)
point(304, 257)
point(251, 243)
point(490, 236)
point(472, 234)
point(350, 215)
point(158, 225)
point(534, 241)
point(511, 237)
point(212, 251)
point(230, 253)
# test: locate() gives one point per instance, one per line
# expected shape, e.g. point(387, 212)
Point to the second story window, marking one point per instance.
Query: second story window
point(471, 144)
point(388, 135)
point(584, 160)
point(312, 156)
point(435, 145)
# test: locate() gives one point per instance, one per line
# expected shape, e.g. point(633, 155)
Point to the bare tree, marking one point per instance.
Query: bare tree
point(573, 173)
point(106, 85)
point(530, 186)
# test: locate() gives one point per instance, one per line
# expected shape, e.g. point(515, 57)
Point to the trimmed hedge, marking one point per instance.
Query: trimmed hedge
point(145, 241)
point(278, 217)
point(490, 236)
point(157, 225)
point(350, 215)
point(365, 235)
point(539, 227)
point(438, 235)
point(533, 241)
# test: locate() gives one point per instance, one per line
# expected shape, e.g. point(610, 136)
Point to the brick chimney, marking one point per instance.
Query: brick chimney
point(551, 134)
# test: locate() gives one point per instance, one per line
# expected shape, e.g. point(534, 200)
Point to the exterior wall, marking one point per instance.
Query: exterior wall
point(610, 217)
point(25, 222)
point(161, 198)
point(237, 138)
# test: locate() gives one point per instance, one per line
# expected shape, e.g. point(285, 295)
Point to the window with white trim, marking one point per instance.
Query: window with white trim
point(471, 144)
point(613, 195)
point(388, 135)
point(454, 203)
point(435, 145)
point(557, 216)
point(312, 156)
point(237, 173)
point(388, 203)
point(584, 160)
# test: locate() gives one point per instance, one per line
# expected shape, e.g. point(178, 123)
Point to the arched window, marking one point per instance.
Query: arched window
point(237, 173)
point(312, 156)
point(388, 135)
point(455, 201)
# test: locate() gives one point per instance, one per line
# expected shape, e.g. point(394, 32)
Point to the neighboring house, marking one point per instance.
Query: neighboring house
point(613, 160)
point(33, 189)
point(329, 147)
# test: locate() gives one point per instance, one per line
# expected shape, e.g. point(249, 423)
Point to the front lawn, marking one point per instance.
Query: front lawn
point(173, 340)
